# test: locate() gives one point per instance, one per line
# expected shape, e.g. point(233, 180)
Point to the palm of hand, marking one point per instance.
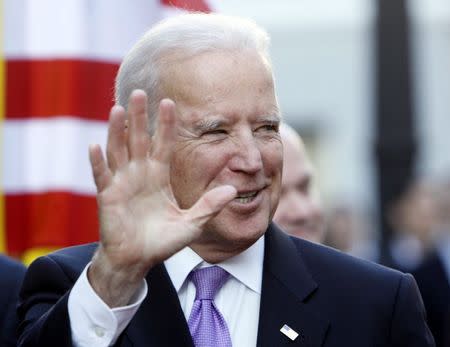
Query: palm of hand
point(140, 218)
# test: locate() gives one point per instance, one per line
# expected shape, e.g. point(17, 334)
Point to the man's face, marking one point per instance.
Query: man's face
point(228, 122)
point(299, 212)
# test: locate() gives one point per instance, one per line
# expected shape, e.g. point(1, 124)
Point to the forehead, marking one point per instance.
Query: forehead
point(222, 83)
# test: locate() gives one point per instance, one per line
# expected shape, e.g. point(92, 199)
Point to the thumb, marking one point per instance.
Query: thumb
point(211, 203)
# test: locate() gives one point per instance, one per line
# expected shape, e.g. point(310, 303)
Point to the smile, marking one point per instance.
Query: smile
point(245, 198)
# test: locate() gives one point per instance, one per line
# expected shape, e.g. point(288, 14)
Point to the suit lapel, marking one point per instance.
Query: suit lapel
point(159, 321)
point(286, 288)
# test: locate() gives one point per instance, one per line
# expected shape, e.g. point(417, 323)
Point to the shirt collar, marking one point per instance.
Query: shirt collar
point(246, 266)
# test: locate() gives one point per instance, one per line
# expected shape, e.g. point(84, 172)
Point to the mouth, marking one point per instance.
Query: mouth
point(246, 197)
point(248, 201)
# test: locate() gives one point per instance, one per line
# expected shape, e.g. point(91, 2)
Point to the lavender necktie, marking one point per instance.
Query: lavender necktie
point(207, 325)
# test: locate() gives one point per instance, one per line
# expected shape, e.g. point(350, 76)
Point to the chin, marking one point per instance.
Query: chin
point(240, 232)
point(245, 234)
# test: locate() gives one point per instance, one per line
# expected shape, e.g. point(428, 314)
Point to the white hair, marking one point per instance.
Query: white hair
point(182, 37)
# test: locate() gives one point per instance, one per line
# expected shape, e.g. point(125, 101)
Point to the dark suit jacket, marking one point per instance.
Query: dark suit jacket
point(330, 298)
point(435, 288)
point(11, 276)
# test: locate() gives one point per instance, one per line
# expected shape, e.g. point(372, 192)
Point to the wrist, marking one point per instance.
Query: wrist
point(115, 283)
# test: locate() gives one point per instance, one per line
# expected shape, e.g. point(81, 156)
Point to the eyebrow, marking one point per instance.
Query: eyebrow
point(215, 122)
point(275, 119)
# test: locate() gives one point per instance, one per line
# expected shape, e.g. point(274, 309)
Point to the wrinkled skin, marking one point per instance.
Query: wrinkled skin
point(209, 178)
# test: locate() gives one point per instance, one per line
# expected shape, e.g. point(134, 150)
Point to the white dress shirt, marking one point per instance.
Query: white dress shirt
point(93, 323)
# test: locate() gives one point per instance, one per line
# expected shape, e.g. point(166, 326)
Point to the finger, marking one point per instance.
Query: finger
point(138, 137)
point(116, 148)
point(211, 203)
point(100, 171)
point(164, 139)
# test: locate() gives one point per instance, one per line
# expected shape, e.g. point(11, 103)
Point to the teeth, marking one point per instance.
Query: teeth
point(246, 197)
point(244, 200)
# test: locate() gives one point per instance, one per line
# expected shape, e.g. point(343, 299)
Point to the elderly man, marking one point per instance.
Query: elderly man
point(187, 253)
point(299, 210)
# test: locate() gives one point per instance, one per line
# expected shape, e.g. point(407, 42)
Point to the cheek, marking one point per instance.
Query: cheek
point(272, 154)
point(210, 163)
point(273, 167)
point(317, 211)
point(195, 171)
point(282, 207)
point(185, 176)
point(179, 173)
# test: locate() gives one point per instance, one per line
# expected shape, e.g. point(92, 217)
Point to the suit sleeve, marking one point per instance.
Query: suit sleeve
point(409, 327)
point(43, 305)
point(10, 287)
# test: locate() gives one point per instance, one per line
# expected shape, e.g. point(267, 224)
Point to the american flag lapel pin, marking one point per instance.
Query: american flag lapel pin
point(289, 332)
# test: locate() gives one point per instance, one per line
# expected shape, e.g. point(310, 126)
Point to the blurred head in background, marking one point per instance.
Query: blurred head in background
point(299, 210)
point(413, 218)
point(342, 228)
point(415, 213)
point(350, 229)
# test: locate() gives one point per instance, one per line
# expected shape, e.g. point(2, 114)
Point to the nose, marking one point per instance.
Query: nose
point(247, 157)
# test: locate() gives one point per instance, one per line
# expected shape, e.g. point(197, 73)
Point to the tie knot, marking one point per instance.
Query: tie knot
point(208, 281)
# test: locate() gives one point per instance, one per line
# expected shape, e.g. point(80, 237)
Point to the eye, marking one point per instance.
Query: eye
point(269, 128)
point(215, 132)
point(304, 186)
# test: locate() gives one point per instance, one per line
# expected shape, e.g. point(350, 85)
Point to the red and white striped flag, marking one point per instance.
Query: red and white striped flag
point(57, 66)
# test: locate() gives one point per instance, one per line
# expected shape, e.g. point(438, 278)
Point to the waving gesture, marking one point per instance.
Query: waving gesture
point(140, 221)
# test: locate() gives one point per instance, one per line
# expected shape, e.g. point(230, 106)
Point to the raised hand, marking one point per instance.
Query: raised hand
point(140, 222)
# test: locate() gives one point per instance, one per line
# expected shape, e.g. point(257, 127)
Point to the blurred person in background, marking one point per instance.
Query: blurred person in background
point(299, 210)
point(348, 229)
point(433, 275)
point(413, 217)
point(340, 228)
point(11, 275)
